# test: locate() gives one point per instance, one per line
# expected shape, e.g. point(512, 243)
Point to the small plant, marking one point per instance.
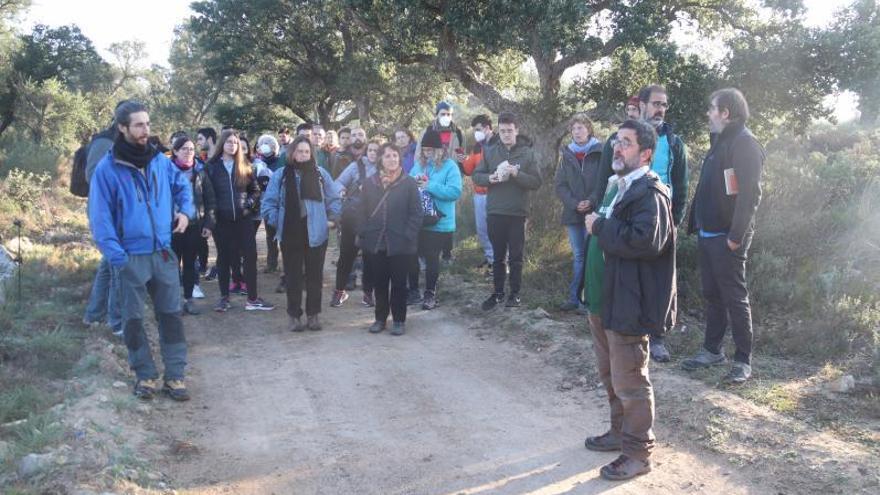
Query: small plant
point(26, 188)
point(21, 402)
point(37, 433)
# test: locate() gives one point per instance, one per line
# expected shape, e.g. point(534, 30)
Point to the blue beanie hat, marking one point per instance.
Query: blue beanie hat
point(443, 105)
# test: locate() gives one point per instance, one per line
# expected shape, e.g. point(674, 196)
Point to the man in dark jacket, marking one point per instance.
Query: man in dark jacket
point(509, 170)
point(637, 236)
point(574, 183)
point(722, 215)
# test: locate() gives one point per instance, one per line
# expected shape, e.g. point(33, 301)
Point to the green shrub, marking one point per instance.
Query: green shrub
point(25, 189)
point(20, 402)
point(24, 154)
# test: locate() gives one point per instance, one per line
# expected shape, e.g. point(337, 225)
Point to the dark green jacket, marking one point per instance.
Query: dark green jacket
point(678, 174)
point(510, 197)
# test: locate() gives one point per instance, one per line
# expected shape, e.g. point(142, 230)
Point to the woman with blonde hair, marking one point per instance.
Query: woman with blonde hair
point(238, 196)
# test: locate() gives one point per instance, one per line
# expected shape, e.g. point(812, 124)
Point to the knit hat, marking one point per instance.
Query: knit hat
point(443, 105)
point(634, 101)
point(431, 139)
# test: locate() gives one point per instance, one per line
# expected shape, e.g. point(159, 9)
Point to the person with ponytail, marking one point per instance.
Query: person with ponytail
point(301, 204)
point(186, 244)
point(235, 185)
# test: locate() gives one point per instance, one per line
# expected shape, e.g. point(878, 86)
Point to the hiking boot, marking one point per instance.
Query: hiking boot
point(222, 305)
point(145, 389)
point(429, 302)
point(513, 301)
point(492, 301)
point(189, 308)
point(413, 297)
point(198, 293)
point(339, 297)
point(368, 300)
point(659, 352)
point(313, 323)
point(295, 324)
point(398, 328)
point(739, 373)
point(703, 359)
point(176, 390)
point(568, 306)
point(606, 442)
point(377, 327)
point(258, 304)
point(624, 468)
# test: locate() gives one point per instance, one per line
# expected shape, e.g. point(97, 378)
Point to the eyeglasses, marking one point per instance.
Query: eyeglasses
point(623, 143)
point(187, 149)
point(660, 104)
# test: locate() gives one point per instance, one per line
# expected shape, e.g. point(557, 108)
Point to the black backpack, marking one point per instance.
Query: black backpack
point(79, 186)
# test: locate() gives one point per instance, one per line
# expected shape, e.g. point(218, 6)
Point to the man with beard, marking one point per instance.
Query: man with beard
point(133, 197)
point(351, 149)
point(636, 234)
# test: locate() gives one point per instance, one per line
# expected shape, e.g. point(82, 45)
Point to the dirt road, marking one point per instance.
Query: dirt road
point(437, 411)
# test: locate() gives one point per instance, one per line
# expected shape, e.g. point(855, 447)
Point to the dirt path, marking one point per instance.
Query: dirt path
point(436, 411)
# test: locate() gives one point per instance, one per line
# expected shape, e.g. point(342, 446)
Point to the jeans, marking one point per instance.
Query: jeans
point(154, 274)
point(482, 228)
point(431, 244)
point(723, 276)
point(508, 235)
point(577, 238)
point(103, 298)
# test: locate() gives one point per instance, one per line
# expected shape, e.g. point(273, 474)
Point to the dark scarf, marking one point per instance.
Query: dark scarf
point(184, 167)
point(309, 186)
point(136, 155)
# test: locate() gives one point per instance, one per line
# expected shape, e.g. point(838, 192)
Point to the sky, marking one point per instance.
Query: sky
point(103, 21)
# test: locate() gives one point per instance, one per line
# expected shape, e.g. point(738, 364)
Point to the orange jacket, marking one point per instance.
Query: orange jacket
point(470, 163)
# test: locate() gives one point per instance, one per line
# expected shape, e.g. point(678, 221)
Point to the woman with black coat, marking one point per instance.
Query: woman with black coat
point(391, 217)
point(238, 198)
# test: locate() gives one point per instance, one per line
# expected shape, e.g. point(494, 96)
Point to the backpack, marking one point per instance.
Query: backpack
point(79, 186)
point(352, 205)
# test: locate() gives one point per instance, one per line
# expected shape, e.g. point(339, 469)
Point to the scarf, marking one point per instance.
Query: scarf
point(139, 156)
point(388, 179)
point(184, 166)
point(310, 183)
point(576, 148)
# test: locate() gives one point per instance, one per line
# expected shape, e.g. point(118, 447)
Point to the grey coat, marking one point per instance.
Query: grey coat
point(575, 181)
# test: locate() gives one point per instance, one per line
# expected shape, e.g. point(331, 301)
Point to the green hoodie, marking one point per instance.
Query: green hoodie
point(510, 197)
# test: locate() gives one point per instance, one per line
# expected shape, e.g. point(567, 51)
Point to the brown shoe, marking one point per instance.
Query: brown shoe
point(624, 468)
point(606, 442)
point(295, 324)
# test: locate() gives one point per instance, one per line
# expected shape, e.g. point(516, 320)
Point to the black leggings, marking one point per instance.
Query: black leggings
point(235, 240)
point(186, 247)
point(387, 270)
point(348, 252)
point(430, 245)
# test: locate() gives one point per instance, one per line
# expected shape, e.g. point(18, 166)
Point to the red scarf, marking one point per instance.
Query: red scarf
point(183, 166)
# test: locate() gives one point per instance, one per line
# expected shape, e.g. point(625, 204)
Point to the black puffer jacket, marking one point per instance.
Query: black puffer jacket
point(638, 286)
point(575, 180)
point(233, 201)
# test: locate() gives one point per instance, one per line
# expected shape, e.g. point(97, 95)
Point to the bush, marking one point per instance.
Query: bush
point(26, 155)
point(25, 188)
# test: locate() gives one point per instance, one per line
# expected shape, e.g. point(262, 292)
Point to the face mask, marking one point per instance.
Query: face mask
point(445, 121)
point(265, 150)
point(479, 136)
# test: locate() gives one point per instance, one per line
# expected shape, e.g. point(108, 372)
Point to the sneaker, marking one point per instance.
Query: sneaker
point(212, 274)
point(198, 293)
point(568, 306)
point(413, 297)
point(398, 328)
point(377, 327)
point(222, 305)
point(313, 323)
point(339, 297)
point(295, 324)
point(582, 311)
point(234, 287)
point(119, 333)
point(624, 468)
point(368, 300)
point(429, 301)
point(242, 289)
point(189, 308)
point(703, 359)
point(739, 373)
point(258, 304)
point(513, 301)
point(492, 301)
point(659, 352)
point(606, 442)
point(176, 390)
point(145, 389)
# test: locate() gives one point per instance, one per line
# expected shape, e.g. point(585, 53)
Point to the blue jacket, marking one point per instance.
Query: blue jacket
point(131, 211)
point(444, 185)
point(318, 213)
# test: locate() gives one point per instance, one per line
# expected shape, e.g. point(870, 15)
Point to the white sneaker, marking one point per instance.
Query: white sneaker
point(197, 292)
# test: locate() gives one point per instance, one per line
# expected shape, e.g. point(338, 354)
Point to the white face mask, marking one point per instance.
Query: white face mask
point(479, 136)
point(445, 120)
point(265, 149)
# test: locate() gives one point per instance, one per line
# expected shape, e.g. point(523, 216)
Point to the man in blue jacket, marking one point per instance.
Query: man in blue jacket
point(135, 197)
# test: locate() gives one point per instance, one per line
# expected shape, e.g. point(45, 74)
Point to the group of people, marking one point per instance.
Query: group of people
point(394, 203)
